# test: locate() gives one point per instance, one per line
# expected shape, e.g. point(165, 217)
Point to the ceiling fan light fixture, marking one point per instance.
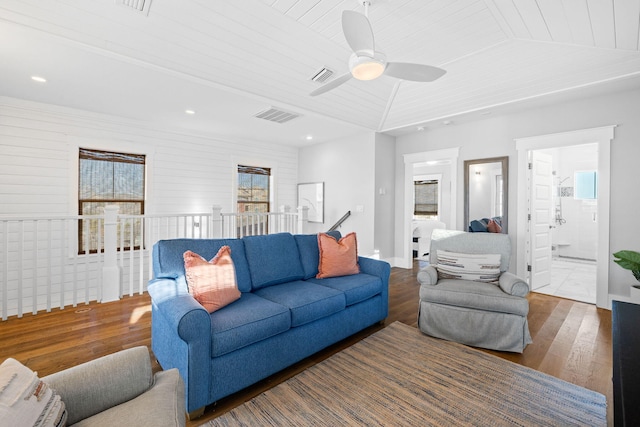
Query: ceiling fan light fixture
point(367, 68)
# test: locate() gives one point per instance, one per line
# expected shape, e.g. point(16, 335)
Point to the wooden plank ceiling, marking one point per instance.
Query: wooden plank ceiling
point(495, 51)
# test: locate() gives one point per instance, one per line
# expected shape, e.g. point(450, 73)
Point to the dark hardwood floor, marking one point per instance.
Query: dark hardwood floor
point(572, 340)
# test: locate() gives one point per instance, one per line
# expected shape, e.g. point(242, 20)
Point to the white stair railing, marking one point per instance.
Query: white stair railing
point(42, 267)
point(241, 224)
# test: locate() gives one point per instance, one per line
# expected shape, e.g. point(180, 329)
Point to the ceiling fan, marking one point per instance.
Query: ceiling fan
point(366, 63)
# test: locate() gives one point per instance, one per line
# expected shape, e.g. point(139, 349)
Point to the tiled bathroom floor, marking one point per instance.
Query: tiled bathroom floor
point(573, 279)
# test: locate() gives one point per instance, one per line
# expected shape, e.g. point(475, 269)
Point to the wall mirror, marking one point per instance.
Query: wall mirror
point(486, 185)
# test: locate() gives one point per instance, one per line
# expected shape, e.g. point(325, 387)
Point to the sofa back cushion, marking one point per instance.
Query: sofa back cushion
point(310, 253)
point(168, 260)
point(273, 259)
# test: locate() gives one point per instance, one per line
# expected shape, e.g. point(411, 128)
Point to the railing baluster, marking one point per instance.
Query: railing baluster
point(87, 246)
point(120, 245)
point(63, 270)
point(49, 262)
point(74, 300)
point(150, 243)
point(131, 223)
point(5, 268)
point(34, 283)
point(20, 270)
point(100, 258)
point(141, 256)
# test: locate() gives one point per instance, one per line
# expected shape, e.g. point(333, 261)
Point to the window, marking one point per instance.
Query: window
point(108, 178)
point(586, 185)
point(426, 199)
point(253, 190)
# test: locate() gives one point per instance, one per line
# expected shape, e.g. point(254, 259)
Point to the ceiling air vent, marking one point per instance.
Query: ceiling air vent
point(323, 75)
point(136, 5)
point(273, 114)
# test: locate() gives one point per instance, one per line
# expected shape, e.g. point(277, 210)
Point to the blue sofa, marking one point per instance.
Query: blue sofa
point(284, 313)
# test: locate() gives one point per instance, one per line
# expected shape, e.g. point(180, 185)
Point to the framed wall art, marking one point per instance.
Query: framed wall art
point(311, 195)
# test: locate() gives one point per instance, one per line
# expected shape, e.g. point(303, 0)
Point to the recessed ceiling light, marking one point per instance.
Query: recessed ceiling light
point(309, 137)
point(420, 128)
point(189, 112)
point(38, 79)
point(447, 122)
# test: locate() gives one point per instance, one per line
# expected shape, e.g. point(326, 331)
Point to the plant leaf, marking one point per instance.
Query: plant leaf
point(628, 259)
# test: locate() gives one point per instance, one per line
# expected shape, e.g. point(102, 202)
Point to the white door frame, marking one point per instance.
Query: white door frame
point(601, 136)
point(406, 259)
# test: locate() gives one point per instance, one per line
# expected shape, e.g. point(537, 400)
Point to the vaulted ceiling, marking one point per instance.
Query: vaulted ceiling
point(228, 60)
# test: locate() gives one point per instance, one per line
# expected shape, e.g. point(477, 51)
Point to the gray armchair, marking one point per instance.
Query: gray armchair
point(479, 314)
point(120, 389)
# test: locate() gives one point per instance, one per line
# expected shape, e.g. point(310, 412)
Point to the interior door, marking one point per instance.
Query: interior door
point(540, 219)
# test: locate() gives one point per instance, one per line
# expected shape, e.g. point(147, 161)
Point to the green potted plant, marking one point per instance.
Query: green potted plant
point(630, 260)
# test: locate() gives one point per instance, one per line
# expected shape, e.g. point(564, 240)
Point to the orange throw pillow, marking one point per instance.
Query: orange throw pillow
point(212, 284)
point(337, 258)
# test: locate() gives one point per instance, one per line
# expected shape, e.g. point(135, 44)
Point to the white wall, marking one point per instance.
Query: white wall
point(185, 173)
point(494, 136)
point(347, 168)
point(384, 220)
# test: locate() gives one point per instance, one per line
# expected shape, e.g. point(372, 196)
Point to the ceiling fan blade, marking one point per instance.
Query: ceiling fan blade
point(413, 72)
point(357, 30)
point(332, 84)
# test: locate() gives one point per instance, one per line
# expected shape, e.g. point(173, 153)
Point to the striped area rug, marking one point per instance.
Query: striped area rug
point(401, 377)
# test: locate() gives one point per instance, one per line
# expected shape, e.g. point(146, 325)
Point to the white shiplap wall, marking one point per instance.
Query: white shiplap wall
point(186, 173)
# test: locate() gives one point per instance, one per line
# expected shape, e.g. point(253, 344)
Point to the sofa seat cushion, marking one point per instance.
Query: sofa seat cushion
point(356, 288)
point(475, 295)
point(273, 259)
point(246, 321)
point(307, 301)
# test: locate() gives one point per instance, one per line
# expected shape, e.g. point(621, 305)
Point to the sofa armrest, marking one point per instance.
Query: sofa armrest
point(381, 269)
point(428, 276)
point(513, 285)
point(186, 315)
point(375, 267)
point(181, 337)
point(95, 386)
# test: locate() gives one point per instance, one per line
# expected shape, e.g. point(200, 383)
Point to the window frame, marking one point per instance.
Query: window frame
point(96, 154)
point(268, 171)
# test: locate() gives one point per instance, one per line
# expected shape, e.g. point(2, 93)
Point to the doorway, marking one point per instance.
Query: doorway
point(527, 240)
point(568, 176)
point(448, 159)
